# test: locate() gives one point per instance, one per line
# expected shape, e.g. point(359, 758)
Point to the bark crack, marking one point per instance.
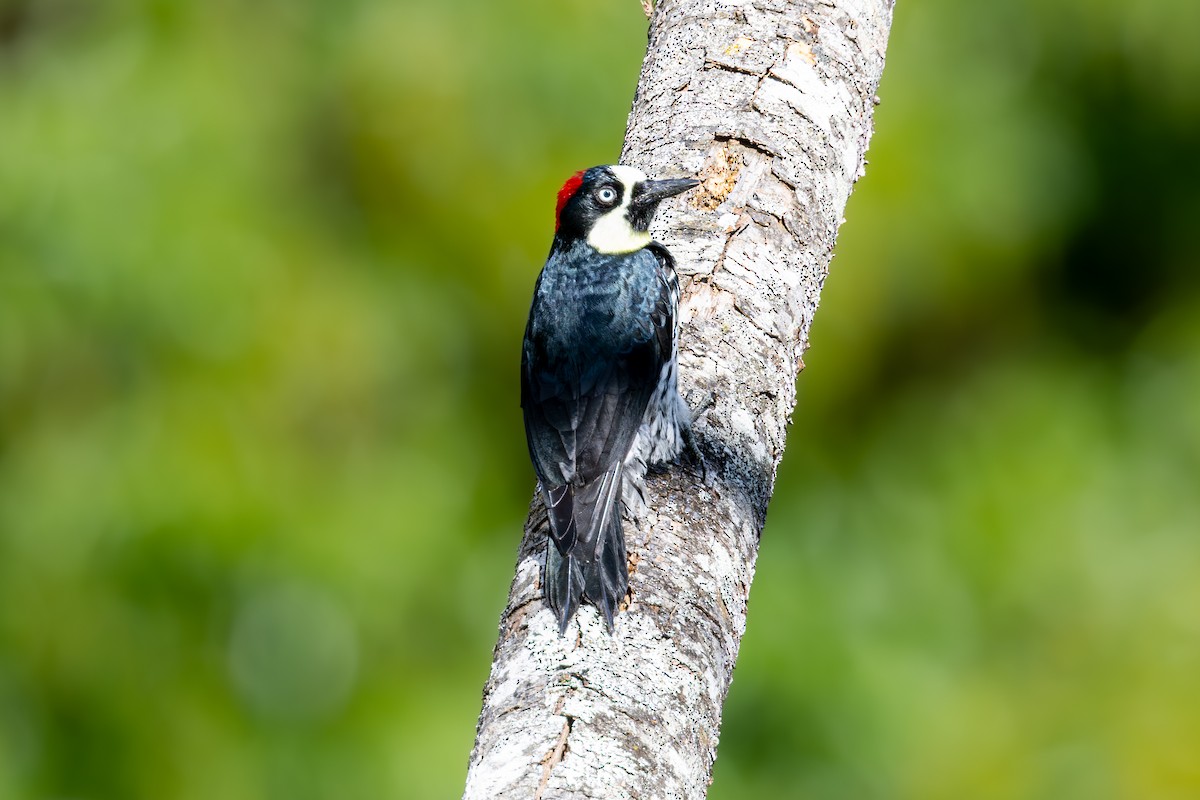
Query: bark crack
point(743, 221)
point(710, 62)
point(757, 325)
point(551, 759)
point(747, 143)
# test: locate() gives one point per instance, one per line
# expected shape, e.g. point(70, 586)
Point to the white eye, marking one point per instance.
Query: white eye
point(607, 195)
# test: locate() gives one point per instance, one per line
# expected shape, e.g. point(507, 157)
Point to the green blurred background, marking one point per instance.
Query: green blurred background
point(264, 268)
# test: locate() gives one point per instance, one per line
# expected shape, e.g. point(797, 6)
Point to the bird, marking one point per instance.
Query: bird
point(599, 391)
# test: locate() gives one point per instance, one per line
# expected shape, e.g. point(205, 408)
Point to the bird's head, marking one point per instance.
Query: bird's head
point(610, 207)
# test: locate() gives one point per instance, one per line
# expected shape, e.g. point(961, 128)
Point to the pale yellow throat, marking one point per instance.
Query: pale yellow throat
point(613, 234)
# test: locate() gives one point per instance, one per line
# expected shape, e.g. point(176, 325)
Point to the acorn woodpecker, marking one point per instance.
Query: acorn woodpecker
point(598, 377)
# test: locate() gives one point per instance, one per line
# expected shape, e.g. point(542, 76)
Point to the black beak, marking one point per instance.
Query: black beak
point(648, 194)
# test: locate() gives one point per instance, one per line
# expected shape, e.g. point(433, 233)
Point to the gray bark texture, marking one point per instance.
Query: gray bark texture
point(769, 102)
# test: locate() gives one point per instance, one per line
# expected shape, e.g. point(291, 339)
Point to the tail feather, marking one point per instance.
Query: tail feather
point(564, 586)
point(586, 555)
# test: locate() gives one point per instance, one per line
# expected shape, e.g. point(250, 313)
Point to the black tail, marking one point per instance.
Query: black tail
point(586, 553)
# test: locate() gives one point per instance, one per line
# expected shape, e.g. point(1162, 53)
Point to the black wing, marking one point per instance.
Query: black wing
point(594, 352)
point(584, 396)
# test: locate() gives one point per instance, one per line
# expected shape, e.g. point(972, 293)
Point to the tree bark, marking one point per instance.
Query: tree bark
point(770, 103)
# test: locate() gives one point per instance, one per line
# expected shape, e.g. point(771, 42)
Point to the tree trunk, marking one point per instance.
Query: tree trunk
point(769, 102)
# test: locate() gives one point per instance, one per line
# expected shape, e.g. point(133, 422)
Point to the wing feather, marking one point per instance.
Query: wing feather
point(593, 354)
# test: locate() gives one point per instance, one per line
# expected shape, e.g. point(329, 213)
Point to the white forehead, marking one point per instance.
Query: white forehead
point(627, 176)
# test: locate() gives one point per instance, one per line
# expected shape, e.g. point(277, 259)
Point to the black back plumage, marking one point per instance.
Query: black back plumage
point(599, 333)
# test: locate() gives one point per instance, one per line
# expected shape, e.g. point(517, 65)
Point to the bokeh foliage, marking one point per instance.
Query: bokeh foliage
point(264, 268)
